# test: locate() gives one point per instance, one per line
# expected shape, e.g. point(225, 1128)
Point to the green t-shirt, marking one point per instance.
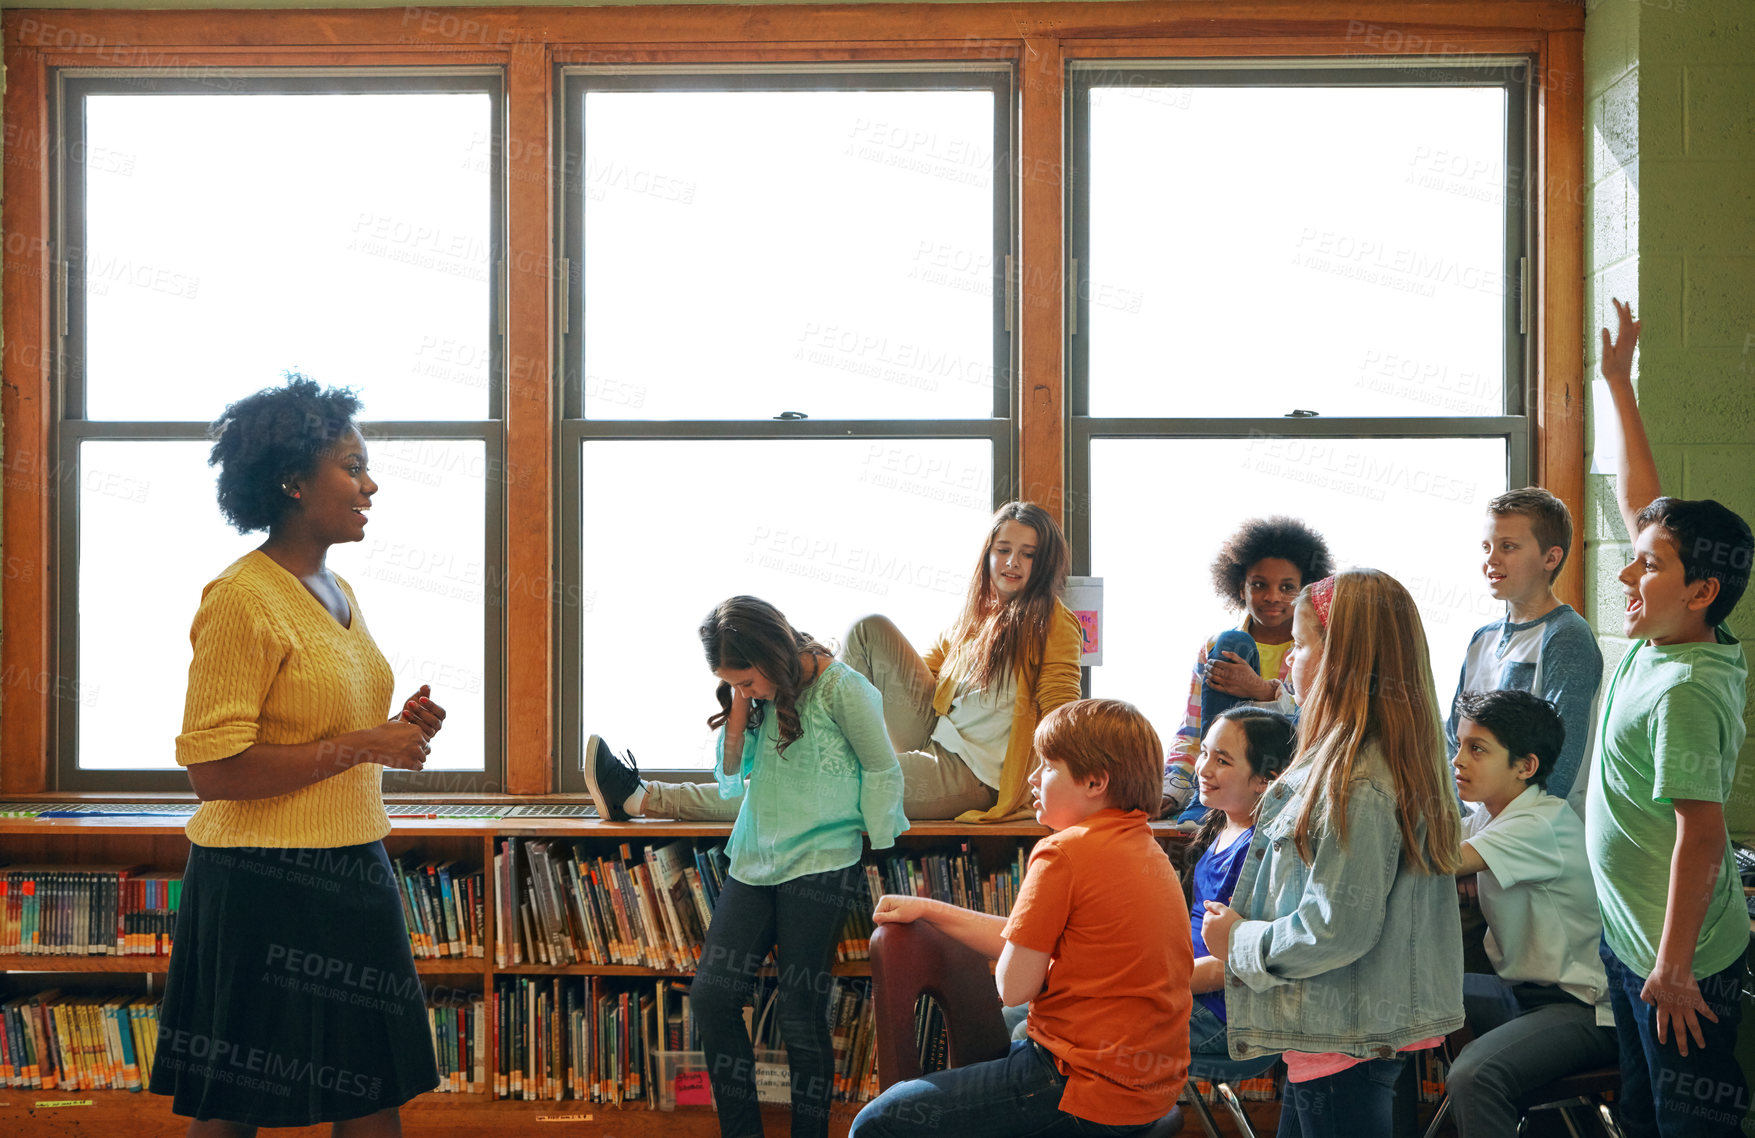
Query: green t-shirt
point(1670, 729)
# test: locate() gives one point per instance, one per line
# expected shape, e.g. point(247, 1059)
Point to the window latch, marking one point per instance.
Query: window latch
point(1298, 413)
point(791, 416)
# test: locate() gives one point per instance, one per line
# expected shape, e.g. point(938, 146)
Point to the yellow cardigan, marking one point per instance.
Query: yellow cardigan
point(1049, 678)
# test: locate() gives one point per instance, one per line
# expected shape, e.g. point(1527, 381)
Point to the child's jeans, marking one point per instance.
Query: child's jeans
point(1356, 1103)
point(1206, 1033)
point(1003, 1098)
point(802, 917)
point(1213, 701)
point(1663, 1092)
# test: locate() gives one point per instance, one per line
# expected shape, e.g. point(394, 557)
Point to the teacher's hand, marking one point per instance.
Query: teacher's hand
point(423, 713)
point(398, 744)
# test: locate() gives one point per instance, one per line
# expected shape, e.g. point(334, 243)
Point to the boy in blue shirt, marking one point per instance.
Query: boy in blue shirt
point(1541, 645)
point(1675, 930)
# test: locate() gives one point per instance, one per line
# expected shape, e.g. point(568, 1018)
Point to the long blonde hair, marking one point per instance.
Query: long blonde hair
point(1374, 685)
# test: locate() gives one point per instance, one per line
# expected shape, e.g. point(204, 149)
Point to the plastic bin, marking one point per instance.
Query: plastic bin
point(682, 1078)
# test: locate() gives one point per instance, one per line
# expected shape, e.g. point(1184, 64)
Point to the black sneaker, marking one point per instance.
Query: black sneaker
point(611, 779)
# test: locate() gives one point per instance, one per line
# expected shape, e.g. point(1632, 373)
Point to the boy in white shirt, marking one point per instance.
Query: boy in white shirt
point(1544, 1013)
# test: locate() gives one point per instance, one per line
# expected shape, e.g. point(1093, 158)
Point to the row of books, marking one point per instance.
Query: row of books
point(956, 878)
point(444, 906)
point(559, 904)
point(93, 910)
point(599, 1039)
point(588, 1039)
point(51, 1041)
point(550, 1038)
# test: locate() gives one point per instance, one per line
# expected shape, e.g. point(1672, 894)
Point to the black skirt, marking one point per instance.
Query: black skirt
point(291, 998)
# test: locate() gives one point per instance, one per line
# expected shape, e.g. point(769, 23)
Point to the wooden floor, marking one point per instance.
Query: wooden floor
point(115, 1114)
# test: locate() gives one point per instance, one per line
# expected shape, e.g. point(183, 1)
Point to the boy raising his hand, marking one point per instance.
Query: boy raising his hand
point(1674, 927)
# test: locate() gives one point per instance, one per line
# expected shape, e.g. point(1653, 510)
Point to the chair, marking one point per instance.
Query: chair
point(1223, 1074)
point(913, 960)
point(1565, 1094)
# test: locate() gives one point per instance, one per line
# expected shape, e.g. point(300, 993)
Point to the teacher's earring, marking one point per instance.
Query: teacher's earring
point(289, 490)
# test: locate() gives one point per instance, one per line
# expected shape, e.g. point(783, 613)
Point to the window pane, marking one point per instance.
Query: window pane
point(422, 577)
point(230, 238)
point(1411, 507)
point(150, 536)
point(754, 252)
point(1340, 250)
point(827, 531)
point(419, 586)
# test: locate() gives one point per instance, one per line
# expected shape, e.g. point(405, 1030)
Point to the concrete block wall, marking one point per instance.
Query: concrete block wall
point(1671, 226)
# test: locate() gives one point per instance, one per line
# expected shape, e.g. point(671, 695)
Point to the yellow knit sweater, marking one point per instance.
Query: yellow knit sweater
point(272, 666)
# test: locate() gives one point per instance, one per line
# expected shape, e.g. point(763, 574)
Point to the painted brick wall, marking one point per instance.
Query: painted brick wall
point(1671, 120)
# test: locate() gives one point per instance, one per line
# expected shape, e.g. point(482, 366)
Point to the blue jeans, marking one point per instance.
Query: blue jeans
point(1213, 701)
point(1206, 1033)
point(802, 918)
point(1014, 1097)
point(1358, 1102)
point(1664, 1093)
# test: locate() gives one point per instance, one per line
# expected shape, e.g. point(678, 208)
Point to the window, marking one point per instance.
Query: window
point(220, 233)
point(788, 350)
point(1298, 292)
point(934, 258)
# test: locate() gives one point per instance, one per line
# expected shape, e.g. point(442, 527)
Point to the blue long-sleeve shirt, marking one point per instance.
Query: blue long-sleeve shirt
point(1555, 657)
point(803, 811)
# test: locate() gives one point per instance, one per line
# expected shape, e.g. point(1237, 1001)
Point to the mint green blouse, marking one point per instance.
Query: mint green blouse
point(803, 811)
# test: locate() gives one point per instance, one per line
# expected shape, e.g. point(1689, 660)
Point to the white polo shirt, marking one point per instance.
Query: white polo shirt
point(1536, 893)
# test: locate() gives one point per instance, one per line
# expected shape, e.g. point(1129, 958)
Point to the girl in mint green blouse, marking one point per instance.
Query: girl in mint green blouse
point(804, 807)
point(802, 741)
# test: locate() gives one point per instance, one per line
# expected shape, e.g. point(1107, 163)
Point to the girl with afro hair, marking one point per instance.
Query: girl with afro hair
point(1260, 570)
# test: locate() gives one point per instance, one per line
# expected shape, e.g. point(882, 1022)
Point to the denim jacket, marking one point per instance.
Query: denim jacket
point(1354, 953)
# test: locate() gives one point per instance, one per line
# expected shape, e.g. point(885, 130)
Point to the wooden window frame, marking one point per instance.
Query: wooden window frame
point(527, 43)
point(76, 426)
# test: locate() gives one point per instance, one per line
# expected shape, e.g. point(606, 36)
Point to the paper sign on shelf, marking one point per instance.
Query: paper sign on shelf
point(1084, 596)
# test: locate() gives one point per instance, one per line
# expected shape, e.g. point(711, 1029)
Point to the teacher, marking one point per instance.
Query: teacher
point(291, 998)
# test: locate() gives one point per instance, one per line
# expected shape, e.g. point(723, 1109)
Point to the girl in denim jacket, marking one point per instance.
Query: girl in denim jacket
point(1344, 948)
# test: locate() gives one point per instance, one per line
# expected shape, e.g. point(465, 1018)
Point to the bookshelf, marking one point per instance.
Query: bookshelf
point(157, 842)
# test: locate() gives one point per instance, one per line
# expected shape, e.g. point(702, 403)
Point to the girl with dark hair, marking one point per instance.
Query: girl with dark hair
point(961, 716)
point(285, 740)
point(802, 745)
point(1259, 569)
point(1246, 748)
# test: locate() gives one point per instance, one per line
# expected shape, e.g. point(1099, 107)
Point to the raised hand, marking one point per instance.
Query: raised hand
point(1618, 352)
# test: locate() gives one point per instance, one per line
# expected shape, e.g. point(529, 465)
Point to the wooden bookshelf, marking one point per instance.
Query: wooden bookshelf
point(159, 842)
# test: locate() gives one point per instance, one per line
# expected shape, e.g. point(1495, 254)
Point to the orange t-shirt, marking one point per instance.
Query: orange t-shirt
point(1101, 899)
